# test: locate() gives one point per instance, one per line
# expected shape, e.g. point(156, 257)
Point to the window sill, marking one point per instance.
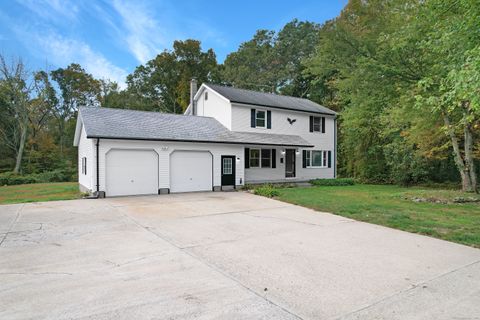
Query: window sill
point(316, 168)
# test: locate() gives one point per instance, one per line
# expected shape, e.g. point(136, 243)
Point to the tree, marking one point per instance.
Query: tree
point(272, 62)
point(254, 65)
point(162, 84)
point(450, 85)
point(76, 88)
point(15, 90)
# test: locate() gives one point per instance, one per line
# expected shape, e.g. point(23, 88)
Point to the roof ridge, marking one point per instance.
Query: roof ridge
point(144, 111)
point(254, 91)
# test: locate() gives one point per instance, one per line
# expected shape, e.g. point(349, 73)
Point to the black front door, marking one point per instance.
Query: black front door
point(228, 170)
point(290, 163)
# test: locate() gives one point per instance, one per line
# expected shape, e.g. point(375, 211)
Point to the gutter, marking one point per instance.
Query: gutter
point(238, 103)
point(203, 141)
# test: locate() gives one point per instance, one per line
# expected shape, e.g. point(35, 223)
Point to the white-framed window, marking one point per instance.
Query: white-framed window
point(260, 158)
point(227, 166)
point(84, 165)
point(254, 158)
point(266, 158)
point(316, 158)
point(317, 124)
point(260, 119)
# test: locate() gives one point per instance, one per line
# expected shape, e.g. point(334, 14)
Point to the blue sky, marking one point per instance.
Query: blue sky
point(109, 38)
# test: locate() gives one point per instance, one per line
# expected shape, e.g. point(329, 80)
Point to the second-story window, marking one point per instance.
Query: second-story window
point(206, 95)
point(260, 119)
point(317, 124)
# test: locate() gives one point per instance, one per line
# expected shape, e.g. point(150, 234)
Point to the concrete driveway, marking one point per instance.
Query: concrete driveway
point(223, 256)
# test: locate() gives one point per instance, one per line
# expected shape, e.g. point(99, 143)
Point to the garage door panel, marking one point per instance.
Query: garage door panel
point(190, 171)
point(131, 172)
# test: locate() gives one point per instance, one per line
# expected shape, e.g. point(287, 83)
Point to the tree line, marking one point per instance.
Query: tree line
point(404, 76)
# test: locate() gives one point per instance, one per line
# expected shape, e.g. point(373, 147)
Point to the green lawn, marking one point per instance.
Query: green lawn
point(39, 192)
point(392, 206)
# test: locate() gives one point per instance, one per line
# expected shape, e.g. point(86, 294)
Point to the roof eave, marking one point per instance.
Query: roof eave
point(334, 114)
point(200, 141)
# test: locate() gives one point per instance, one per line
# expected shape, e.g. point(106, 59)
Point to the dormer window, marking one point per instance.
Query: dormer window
point(260, 119)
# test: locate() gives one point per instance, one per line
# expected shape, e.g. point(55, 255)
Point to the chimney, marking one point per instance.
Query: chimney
point(193, 91)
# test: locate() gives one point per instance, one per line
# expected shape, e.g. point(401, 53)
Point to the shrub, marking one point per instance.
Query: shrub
point(333, 182)
point(9, 178)
point(266, 190)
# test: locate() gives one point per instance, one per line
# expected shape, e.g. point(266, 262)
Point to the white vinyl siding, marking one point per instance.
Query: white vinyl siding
point(85, 161)
point(241, 120)
point(164, 149)
point(211, 104)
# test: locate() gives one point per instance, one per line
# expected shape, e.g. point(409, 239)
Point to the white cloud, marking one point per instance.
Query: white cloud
point(64, 51)
point(54, 10)
point(144, 36)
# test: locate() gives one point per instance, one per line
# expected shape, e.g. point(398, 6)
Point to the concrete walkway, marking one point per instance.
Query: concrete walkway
point(223, 256)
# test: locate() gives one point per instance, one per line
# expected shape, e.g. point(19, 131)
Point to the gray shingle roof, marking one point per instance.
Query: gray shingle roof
point(141, 125)
point(269, 100)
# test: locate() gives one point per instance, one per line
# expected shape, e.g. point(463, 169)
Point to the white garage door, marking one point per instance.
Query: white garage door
point(131, 172)
point(190, 171)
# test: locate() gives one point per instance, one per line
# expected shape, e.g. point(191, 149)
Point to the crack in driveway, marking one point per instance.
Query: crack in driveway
point(213, 267)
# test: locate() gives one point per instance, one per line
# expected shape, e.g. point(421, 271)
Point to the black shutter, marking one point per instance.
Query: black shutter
point(274, 158)
point(252, 118)
point(323, 124)
point(304, 158)
point(329, 159)
point(247, 158)
point(311, 123)
point(269, 119)
point(85, 165)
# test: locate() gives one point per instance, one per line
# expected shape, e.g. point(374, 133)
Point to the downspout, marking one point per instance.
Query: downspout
point(335, 147)
point(96, 195)
point(98, 175)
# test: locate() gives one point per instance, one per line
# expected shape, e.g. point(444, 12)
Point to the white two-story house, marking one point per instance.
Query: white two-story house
point(227, 137)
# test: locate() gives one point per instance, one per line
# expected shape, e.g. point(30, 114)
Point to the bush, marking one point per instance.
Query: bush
point(333, 182)
point(266, 190)
point(10, 179)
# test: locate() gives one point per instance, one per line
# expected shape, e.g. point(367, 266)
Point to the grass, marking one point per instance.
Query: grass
point(39, 192)
point(392, 206)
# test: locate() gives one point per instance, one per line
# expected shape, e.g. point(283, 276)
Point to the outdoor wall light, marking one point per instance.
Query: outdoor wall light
point(297, 152)
point(238, 159)
point(283, 151)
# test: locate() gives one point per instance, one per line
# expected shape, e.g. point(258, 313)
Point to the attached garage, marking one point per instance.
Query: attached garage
point(191, 171)
point(131, 172)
